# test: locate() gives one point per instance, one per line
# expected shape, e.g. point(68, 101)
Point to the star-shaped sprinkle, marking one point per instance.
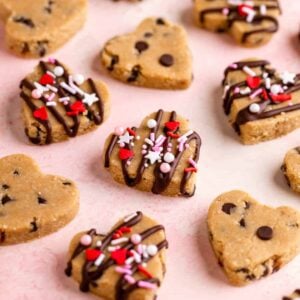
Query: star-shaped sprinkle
point(90, 99)
point(125, 138)
point(287, 77)
point(153, 156)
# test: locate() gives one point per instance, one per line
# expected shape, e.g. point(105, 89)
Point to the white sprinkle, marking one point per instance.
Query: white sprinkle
point(268, 82)
point(59, 71)
point(99, 243)
point(51, 74)
point(67, 88)
point(185, 136)
point(151, 123)
point(130, 217)
point(119, 241)
point(112, 249)
point(265, 75)
point(78, 78)
point(152, 250)
point(148, 141)
point(254, 108)
point(245, 91)
point(40, 87)
point(52, 88)
point(276, 89)
point(263, 9)
point(64, 99)
point(250, 72)
point(136, 256)
point(129, 260)
point(51, 103)
point(99, 260)
point(256, 93)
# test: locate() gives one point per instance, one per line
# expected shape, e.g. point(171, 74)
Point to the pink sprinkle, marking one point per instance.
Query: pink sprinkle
point(144, 147)
point(140, 249)
point(187, 146)
point(169, 149)
point(129, 279)
point(144, 152)
point(170, 144)
point(152, 136)
point(51, 97)
point(181, 145)
point(51, 60)
point(147, 285)
point(233, 66)
point(123, 270)
point(122, 145)
point(193, 163)
point(225, 11)
point(237, 90)
point(256, 93)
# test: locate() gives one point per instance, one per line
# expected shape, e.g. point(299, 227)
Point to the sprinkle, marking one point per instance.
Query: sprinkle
point(233, 66)
point(225, 11)
point(140, 249)
point(256, 93)
point(186, 135)
point(130, 279)
point(128, 163)
point(131, 132)
point(52, 88)
point(123, 270)
point(136, 239)
point(51, 103)
point(173, 135)
point(46, 79)
point(36, 94)
point(188, 170)
point(250, 72)
point(78, 78)
point(165, 168)
point(125, 229)
point(99, 260)
point(276, 89)
point(40, 87)
point(144, 152)
point(169, 157)
point(59, 71)
point(245, 91)
point(92, 254)
point(99, 243)
point(265, 75)
point(236, 90)
point(75, 87)
point(144, 146)
point(146, 165)
point(129, 260)
point(86, 240)
point(263, 9)
point(144, 271)
point(268, 82)
point(254, 108)
point(152, 250)
point(64, 99)
point(67, 88)
point(130, 217)
point(152, 136)
point(119, 241)
point(148, 141)
point(51, 97)
point(192, 162)
point(51, 60)
point(181, 146)
point(112, 249)
point(147, 285)
point(187, 146)
point(51, 74)
point(151, 123)
point(137, 256)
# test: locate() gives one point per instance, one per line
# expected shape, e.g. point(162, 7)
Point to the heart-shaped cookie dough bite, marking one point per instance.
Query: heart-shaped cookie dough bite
point(250, 23)
point(58, 105)
point(32, 204)
point(291, 169)
point(127, 263)
point(260, 102)
point(160, 156)
point(155, 55)
point(35, 28)
point(251, 240)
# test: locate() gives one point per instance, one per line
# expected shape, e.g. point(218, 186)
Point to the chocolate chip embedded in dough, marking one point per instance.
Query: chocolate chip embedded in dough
point(264, 233)
point(114, 61)
point(228, 208)
point(2, 236)
point(42, 200)
point(242, 223)
point(5, 199)
point(135, 72)
point(141, 46)
point(160, 21)
point(166, 60)
point(26, 21)
point(33, 225)
point(148, 34)
point(5, 186)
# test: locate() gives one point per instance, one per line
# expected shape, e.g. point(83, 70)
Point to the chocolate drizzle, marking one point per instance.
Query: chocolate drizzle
point(266, 106)
point(91, 273)
point(162, 180)
point(96, 115)
point(234, 17)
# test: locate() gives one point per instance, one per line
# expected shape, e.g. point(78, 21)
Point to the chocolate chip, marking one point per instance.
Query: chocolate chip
point(135, 72)
point(250, 277)
point(5, 186)
point(16, 172)
point(287, 298)
point(141, 46)
point(42, 47)
point(243, 270)
point(48, 8)
point(42, 200)
point(160, 21)
point(228, 208)
point(26, 21)
point(166, 60)
point(25, 48)
point(148, 34)
point(242, 223)
point(5, 199)
point(297, 292)
point(33, 225)
point(247, 205)
point(2, 236)
point(264, 233)
point(114, 61)
point(297, 149)
point(67, 183)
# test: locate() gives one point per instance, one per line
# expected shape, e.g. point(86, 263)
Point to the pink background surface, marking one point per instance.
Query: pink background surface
point(35, 270)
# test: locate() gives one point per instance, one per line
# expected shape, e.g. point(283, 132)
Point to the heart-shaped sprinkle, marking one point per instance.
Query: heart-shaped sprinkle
point(46, 79)
point(253, 82)
point(243, 8)
point(172, 125)
point(41, 113)
point(281, 97)
point(125, 153)
point(119, 256)
point(92, 254)
point(76, 108)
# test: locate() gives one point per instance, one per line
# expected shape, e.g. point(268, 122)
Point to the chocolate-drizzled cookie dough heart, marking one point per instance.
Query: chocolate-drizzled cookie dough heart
point(251, 240)
point(34, 28)
point(291, 169)
point(155, 55)
point(260, 102)
point(58, 105)
point(127, 263)
point(160, 156)
point(32, 204)
point(250, 23)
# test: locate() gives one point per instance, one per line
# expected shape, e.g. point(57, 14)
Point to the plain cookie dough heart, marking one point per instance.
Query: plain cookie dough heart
point(250, 23)
point(160, 156)
point(58, 105)
point(155, 55)
point(260, 102)
point(127, 263)
point(251, 240)
point(35, 28)
point(32, 204)
point(291, 169)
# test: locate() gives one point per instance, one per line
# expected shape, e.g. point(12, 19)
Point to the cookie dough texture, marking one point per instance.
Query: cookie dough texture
point(155, 55)
point(252, 29)
point(59, 124)
point(250, 240)
point(110, 284)
point(32, 204)
point(273, 118)
point(144, 175)
point(35, 28)
point(291, 169)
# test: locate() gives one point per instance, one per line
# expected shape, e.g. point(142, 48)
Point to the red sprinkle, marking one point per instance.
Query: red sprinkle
point(241, 9)
point(131, 132)
point(76, 108)
point(265, 94)
point(187, 170)
point(172, 125)
point(281, 97)
point(116, 236)
point(41, 113)
point(92, 254)
point(173, 135)
point(144, 271)
point(119, 256)
point(125, 154)
point(46, 79)
point(125, 229)
point(253, 82)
